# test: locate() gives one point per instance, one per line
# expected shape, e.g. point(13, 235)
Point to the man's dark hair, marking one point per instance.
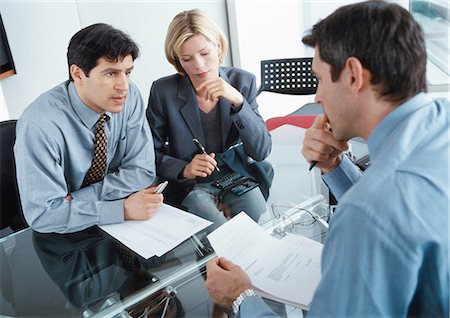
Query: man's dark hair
point(99, 41)
point(384, 37)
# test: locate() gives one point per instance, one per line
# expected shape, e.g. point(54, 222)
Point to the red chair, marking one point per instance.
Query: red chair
point(299, 121)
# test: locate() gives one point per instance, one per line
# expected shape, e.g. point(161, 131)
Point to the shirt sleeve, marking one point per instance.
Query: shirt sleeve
point(365, 268)
point(340, 179)
point(41, 162)
point(255, 307)
point(42, 187)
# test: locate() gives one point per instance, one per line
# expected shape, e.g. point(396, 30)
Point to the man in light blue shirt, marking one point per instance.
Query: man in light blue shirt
point(386, 253)
point(55, 137)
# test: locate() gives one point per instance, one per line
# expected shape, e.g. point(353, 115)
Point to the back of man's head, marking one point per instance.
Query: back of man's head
point(99, 41)
point(384, 37)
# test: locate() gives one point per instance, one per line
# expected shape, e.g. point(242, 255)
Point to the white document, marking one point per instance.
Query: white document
point(284, 270)
point(168, 228)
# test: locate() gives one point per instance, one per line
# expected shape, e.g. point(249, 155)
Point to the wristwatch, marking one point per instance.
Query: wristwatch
point(237, 303)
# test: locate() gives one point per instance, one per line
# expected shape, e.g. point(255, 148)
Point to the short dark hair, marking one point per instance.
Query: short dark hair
point(384, 37)
point(97, 41)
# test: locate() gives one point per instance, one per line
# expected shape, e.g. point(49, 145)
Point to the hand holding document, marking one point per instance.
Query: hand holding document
point(168, 228)
point(285, 270)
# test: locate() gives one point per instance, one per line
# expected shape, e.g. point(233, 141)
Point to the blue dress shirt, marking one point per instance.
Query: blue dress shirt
point(53, 152)
point(386, 252)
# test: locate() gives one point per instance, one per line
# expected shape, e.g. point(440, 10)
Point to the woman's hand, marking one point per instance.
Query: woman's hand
point(202, 165)
point(212, 90)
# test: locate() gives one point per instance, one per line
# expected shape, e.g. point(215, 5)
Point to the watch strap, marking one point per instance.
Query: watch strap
point(238, 301)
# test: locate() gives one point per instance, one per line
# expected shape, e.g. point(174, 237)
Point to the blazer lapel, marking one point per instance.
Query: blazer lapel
point(189, 110)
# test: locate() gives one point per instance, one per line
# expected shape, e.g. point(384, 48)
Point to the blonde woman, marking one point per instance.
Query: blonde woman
point(215, 105)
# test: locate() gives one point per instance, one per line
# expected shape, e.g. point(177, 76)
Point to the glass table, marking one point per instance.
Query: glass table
point(90, 274)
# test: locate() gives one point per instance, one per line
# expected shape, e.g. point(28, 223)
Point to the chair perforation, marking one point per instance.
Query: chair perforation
point(288, 76)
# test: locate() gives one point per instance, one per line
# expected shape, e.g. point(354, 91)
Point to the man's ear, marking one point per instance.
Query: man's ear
point(76, 72)
point(357, 76)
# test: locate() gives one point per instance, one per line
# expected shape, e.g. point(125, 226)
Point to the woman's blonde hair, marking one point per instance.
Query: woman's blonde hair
point(187, 24)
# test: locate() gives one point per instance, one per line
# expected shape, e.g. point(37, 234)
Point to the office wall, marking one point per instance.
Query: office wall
point(4, 114)
point(274, 31)
point(39, 32)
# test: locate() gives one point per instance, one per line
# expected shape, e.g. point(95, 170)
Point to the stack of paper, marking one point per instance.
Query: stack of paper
point(168, 228)
point(286, 270)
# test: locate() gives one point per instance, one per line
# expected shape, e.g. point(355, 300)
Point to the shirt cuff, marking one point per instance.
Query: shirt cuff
point(255, 307)
point(110, 212)
point(340, 179)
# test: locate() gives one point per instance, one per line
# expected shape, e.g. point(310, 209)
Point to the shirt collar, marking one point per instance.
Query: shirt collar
point(88, 116)
point(393, 120)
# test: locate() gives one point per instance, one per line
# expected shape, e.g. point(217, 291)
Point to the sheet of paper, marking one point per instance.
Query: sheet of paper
point(287, 270)
point(168, 228)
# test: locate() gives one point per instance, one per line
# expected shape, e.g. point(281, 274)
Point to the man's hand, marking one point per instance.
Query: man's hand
point(225, 281)
point(142, 205)
point(319, 145)
point(202, 165)
point(214, 89)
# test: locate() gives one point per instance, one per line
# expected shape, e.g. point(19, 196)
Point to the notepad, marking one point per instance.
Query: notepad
point(168, 228)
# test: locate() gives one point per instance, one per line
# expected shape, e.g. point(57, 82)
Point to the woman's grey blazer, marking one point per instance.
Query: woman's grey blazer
point(174, 119)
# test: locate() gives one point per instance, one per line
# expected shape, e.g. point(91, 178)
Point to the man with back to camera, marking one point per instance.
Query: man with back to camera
point(67, 183)
point(386, 252)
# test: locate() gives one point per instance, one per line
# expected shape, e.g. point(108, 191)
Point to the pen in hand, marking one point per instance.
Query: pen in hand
point(327, 126)
point(203, 150)
point(160, 188)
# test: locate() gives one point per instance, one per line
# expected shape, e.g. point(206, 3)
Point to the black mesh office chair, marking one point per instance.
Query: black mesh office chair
point(291, 76)
point(10, 207)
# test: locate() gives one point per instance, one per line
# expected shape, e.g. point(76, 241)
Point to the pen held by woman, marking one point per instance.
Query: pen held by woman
point(203, 150)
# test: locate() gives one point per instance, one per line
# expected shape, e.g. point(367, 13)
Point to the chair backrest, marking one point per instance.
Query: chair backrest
point(299, 121)
point(10, 207)
point(288, 76)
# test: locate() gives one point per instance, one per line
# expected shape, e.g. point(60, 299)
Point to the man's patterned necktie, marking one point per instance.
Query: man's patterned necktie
point(98, 165)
